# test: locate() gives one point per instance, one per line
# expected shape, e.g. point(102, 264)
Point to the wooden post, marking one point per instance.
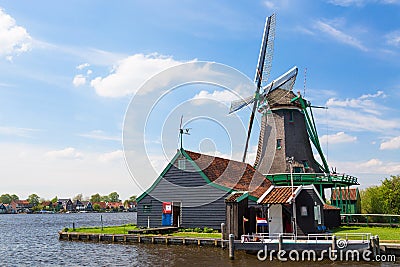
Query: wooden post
point(378, 248)
point(373, 246)
point(280, 242)
point(222, 235)
point(231, 246)
point(333, 245)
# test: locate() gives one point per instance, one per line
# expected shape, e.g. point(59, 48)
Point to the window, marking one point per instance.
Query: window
point(303, 211)
point(182, 164)
point(278, 143)
point(147, 208)
point(317, 213)
point(291, 116)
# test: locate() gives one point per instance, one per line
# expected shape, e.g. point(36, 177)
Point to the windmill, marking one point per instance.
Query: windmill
point(287, 128)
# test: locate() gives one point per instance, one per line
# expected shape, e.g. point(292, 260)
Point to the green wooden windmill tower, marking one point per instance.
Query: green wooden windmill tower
point(288, 130)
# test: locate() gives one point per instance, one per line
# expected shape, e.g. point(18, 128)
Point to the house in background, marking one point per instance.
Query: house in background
point(88, 205)
point(194, 187)
point(3, 208)
point(65, 204)
point(115, 206)
point(348, 200)
point(19, 206)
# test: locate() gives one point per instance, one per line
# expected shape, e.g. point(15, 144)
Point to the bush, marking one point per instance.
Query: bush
point(208, 230)
point(66, 229)
point(197, 230)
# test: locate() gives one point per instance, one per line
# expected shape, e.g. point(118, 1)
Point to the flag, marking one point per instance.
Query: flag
point(261, 221)
point(245, 219)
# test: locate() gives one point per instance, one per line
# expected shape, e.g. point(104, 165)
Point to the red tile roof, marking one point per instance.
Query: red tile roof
point(233, 197)
point(345, 194)
point(231, 174)
point(278, 195)
point(330, 207)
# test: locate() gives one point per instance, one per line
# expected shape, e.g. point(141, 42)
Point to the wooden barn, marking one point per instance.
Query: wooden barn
point(193, 188)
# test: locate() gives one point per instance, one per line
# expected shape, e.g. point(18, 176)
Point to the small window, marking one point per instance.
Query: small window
point(182, 164)
point(304, 211)
point(278, 143)
point(147, 208)
point(291, 116)
point(317, 213)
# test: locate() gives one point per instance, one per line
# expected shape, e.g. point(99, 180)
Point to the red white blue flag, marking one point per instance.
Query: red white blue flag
point(261, 221)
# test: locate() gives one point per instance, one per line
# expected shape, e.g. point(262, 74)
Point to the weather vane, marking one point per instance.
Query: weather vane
point(183, 131)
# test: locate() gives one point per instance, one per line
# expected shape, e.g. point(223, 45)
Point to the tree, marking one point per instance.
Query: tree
point(96, 207)
point(95, 198)
point(77, 197)
point(132, 198)
point(105, 199)
point(383, 199)
point(5, 198)
point(33, 199)
point(14, 197)
point(54, 200)
point(114, 197)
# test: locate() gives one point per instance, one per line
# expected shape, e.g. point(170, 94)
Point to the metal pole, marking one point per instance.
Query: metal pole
point(231, 246)
point(101, 219)
point(222, 235)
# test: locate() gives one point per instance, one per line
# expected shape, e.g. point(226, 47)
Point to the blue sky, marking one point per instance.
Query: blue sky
point(70, 69)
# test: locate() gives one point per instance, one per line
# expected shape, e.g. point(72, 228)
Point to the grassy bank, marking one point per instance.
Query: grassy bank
point(123, 229)
point(120, 229)
point(384, 233)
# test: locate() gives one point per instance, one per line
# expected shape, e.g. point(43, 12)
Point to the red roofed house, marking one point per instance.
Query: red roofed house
point(192, 189)
point(348, 200)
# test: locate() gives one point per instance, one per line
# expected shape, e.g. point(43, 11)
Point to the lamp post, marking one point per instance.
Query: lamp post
point(290, 160)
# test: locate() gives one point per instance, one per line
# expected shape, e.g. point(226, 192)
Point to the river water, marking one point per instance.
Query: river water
point(32, 240)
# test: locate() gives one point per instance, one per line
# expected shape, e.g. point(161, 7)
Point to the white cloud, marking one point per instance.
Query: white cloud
point(79, 80)
point(82, 66)
point(339, 35)
point(276, 4)
point(360, 3)
point(16, 131)
point(130, 73)
point(393, 143)
point(377, 94)
point(346, 3)
point(100, 135)
point(66, 153)
point(225, 97)
point(14, 39)
point(360, 114)
point(371, 166)
point(337, 138)
point(111, 156)
point(393, 38)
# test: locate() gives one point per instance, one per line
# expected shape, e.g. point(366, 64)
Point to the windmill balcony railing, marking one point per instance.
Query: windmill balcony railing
point(313, 177)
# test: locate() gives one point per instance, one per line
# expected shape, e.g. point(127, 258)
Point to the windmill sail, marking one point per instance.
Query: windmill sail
point(239, 104)
point(285, 81)
point(264, 59)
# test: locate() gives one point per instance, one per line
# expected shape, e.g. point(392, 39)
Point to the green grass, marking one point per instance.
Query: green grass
point(123, 229)
point(384, 233)
point(120, 229)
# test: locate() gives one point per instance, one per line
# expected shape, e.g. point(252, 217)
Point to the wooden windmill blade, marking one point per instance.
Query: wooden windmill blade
point(263, 67)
